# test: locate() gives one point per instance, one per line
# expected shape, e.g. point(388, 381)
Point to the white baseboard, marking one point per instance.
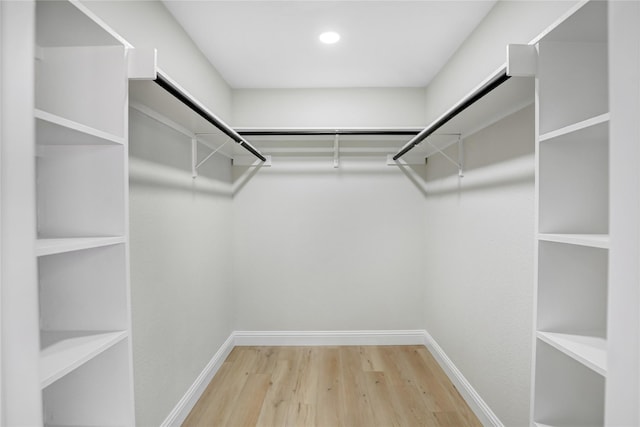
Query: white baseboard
point(180, 412)
point(479, 407)
point(316, 338)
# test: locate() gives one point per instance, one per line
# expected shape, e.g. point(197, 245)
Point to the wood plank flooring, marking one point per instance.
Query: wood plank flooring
point(331, 387)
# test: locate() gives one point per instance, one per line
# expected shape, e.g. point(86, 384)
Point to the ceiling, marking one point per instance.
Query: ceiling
point(274, 44)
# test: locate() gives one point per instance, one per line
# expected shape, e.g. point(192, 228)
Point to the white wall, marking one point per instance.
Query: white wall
point(485, 49)
point(148, 24)
point(318, 248)
point(479, 282)
point(357, 107)
point(479, 255)
point(181, 275)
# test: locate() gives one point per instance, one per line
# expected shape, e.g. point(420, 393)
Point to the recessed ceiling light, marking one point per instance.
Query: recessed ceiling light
point(329, 37)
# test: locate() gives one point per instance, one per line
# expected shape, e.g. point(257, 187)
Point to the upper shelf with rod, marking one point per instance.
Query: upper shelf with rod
point(180, 94)
point(495, 98)
point(326, 141)
point(166, 101)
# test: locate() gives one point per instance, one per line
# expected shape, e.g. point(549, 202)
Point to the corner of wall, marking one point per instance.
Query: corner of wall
point(484, 51)
point(178, 55)
point(181, 411)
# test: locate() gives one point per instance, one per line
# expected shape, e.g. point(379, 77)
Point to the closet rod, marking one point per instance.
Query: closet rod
point(218, 123)
point(328, 132)
point(461, 106)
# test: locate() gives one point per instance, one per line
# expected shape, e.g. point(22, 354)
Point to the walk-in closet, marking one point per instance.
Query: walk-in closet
point(428, 216)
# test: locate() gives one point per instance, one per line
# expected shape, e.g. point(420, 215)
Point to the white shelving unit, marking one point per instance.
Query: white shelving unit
point(81, 99)
point(572, 183)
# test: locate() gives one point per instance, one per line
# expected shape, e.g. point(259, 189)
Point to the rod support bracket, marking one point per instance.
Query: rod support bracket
point(195, 164)
point(460, 156)
point(336, 150)
point(460, 162)
point(194, 158)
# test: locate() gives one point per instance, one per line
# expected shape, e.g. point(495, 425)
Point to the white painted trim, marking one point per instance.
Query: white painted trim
point(479, 407)
point(318, 338)
point(180, 412)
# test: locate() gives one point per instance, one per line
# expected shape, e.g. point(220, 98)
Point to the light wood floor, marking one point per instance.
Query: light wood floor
point(330, 387)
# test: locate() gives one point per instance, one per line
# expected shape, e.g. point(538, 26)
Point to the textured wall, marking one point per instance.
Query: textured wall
point(318, 248)
point(479, 275)
point(181, 276)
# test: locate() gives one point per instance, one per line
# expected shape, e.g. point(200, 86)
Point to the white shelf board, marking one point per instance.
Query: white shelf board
point(58, 246)
point(575, 127)
point(65, 351)
point(55, 130)
point(590, 351)
point(70, 23)
point(591, 240)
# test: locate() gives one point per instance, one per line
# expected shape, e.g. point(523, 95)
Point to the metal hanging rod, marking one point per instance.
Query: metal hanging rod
point(475, 96)
point(218, 123)
point(327, 132)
